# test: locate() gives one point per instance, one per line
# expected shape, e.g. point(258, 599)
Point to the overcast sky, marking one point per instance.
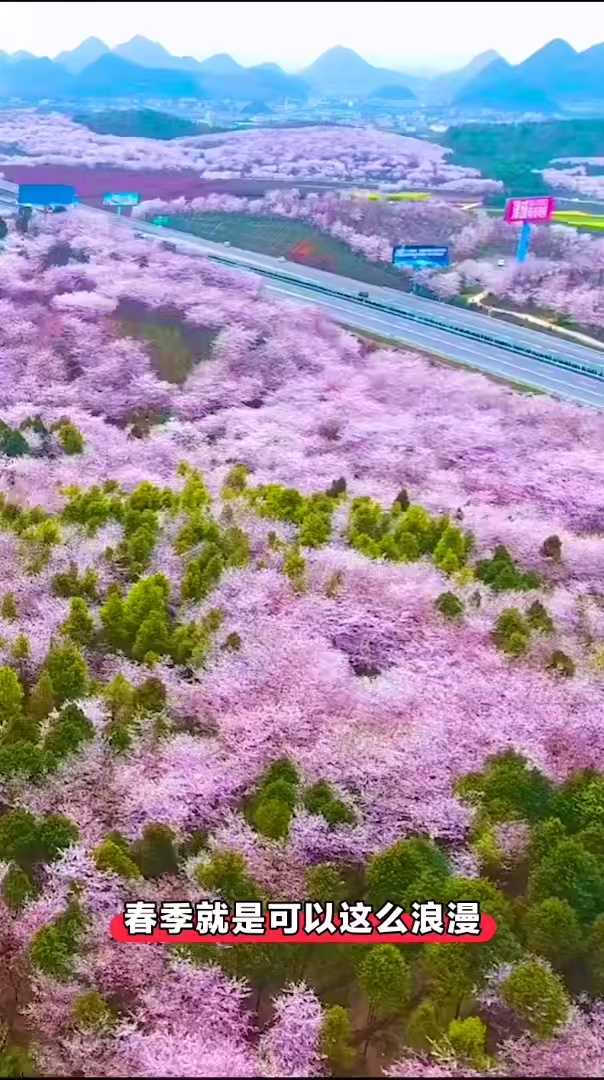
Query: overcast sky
point(400, 35)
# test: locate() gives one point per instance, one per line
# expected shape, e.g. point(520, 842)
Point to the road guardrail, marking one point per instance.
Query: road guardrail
point(422, 319)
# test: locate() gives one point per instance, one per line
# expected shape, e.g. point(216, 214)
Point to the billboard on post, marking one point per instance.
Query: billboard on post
point(420, 256)
point(121, 198)
point(535, 211)
point(46, 195)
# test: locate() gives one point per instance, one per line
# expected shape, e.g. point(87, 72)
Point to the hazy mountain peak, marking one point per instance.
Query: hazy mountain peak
point(482, 61)
point(554, 73)
point(269, 66)
point(139, 40)
point(89, 50)
point(543, 62)
point(151, 54)
point(33, 78)
point(501, 86)
point(22, 54)
point(92, 42)
point(556, 45)
point(336, 56)
point(220, 64)
point(113, 75)
point(342, 51)
point(442, 89)
point(499, 66)
point(340, 71)
point(143, 51)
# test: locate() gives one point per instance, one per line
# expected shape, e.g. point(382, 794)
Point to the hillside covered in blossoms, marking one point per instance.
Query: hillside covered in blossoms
point(297, 617)
point(329, 153)
point(562, 278)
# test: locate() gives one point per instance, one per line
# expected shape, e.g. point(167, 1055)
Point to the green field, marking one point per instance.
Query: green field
point(580, 220)
point(514, 153)
point(396, 196)
point(175, 349)
point(143, 123)
point(294, 240)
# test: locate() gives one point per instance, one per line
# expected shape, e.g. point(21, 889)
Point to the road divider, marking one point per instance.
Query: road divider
point(418, 317)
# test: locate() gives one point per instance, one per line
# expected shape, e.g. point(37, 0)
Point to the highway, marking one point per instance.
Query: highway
point(533, 358)
point(390, 314)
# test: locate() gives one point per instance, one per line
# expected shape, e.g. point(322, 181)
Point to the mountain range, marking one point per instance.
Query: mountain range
point(554, 76)
point(546, 81)
point(140, 68)
point(341, 72)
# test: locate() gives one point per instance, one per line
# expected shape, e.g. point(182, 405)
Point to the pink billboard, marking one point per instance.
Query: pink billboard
point(535, 210)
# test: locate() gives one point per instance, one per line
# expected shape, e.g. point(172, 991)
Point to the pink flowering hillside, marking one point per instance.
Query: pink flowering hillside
point(286, 615)
point(576, 177)
point(330, 153)
point(370, 227)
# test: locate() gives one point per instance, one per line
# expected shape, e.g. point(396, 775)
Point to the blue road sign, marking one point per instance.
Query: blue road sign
point(420, 256)
point(121, 198)
point(46, 195)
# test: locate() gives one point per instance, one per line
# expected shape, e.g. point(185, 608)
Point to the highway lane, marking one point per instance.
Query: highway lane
point(441, 341)
point(568, 385)
point(526, 337)
point(455, 316)
point(487, 358)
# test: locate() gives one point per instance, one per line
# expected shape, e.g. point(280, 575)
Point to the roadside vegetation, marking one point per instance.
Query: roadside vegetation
point(142, 124)
point(515, 153)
